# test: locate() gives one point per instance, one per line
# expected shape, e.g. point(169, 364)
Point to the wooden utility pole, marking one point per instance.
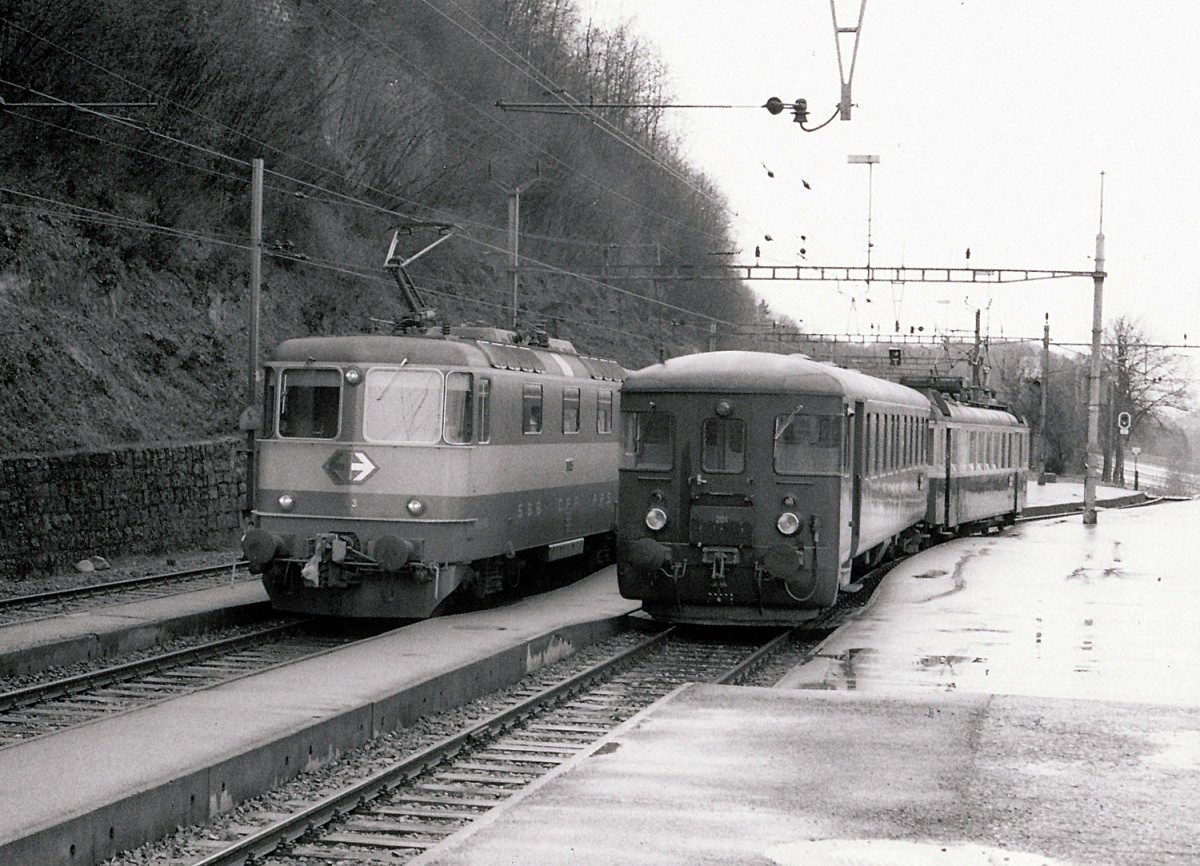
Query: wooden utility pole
point(252, 415)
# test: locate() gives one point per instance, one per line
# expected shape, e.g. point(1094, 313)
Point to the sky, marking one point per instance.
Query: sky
point(993, 123)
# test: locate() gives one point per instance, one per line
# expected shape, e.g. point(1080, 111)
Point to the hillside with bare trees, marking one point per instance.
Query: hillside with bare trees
point(128, 133)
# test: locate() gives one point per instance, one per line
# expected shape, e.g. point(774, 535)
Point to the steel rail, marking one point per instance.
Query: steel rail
point(127, 583)
point(74, 685)
point(289, 829)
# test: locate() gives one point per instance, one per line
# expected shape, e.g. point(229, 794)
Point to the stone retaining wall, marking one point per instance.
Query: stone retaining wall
point(56, 509)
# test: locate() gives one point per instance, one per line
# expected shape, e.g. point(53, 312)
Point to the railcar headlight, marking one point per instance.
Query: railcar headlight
point(353, 376)
point(286, 502)
point(656, 519)
point(415, 507)
point(788, 523)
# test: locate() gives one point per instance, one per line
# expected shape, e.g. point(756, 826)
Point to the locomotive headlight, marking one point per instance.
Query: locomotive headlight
point(656, 519)
point(415, 507)
point(788, 523)
point(353, 376)
point(286, 502)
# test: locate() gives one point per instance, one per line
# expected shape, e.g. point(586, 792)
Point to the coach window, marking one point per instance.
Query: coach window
point(402, 404)
point(460, 408)
point(649, 440)
point(604, 411)
point(310, 404)
point(724, 445)
point(531, 409)
point(570, 410)
point(806, 443)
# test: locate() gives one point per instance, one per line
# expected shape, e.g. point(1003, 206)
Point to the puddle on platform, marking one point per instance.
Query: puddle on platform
point(893, 852)
point(1179, 750)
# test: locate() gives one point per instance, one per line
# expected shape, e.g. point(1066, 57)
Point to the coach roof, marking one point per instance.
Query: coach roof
point(766, 373)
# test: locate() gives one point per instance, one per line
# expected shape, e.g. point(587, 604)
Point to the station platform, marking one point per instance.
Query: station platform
point(1067, 491)
point(82, 795)
point(1028, 699)
point(58, 641)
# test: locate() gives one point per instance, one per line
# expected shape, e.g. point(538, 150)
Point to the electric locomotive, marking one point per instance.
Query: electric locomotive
point(395, 471)
point(754, 487)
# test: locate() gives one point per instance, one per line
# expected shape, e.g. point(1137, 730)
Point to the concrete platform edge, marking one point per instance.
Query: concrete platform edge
point(147, 815)
point(137, 636)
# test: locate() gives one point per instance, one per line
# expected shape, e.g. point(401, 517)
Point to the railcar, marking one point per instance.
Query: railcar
point(755, 487)
point(751, 482)
point(394, 473)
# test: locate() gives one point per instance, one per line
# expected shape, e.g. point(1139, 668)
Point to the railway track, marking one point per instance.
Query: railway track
point(418, 802)
point(55, 705)
point(22, 608)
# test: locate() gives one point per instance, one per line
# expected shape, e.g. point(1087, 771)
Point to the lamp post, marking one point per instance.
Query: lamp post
point(870, 160)
point(1136, 449)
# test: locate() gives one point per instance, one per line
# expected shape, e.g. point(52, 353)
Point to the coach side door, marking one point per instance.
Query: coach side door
point(856, 434)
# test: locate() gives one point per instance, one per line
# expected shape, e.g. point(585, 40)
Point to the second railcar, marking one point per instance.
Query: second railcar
point(751, 482)
point(979, 458)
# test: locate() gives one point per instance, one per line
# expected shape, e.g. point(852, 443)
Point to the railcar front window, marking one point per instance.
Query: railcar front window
point(402, 405)
point(807, 443)
point(311, 403)
point(460, 408)
point(724, 445)
point(649, 439)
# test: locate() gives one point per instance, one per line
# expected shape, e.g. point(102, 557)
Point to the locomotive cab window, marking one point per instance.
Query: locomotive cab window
point(649, 439)
point(311, 403)
point(460, 408)
point(403, 405)
point(485, 410)
point(724, 445)
point(268, 408)
point(807, 443)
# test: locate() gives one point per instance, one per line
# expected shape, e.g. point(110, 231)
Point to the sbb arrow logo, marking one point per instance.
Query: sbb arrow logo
point(349, 467)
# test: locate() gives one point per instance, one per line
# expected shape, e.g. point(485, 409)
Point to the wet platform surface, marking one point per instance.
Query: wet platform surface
point(1024, 699)
point(1050, 609)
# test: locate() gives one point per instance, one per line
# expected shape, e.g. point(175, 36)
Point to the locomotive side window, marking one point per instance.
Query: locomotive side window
point(724, 445)
point(268, 415)
point(311, 400)
point(649, 440)
point(403, 405)
point(807, 443)
point(485, 410)
point(604, 412)
point(531, 409)
point(460, 408)
point(570, 410)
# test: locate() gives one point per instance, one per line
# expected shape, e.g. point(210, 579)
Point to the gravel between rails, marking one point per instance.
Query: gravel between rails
point(188, 844)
